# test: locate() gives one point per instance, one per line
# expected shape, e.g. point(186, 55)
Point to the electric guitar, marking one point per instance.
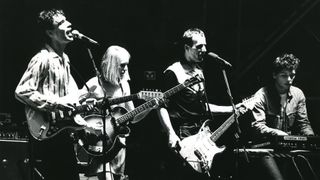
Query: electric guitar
point(49, 124)
point(199, 150)
point(115, 124)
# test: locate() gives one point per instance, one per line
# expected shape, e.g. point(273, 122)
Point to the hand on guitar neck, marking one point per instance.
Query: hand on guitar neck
point(245, 105)
point(241, 108)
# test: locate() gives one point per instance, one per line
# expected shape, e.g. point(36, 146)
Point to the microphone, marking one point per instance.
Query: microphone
point(78, 35)
point(219, 59)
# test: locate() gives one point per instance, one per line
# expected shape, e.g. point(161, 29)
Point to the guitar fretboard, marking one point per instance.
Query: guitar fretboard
point(124, 118)
point(110, 101)
point(122, 99)
point(248, 103)
point(153, 102)
point(217, 133)
point(174, 90)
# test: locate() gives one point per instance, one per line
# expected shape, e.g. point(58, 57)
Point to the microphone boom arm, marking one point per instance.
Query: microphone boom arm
point(78, 35)
point(220, 60)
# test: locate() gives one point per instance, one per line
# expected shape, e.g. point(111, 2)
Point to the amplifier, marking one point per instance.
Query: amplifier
point(12, 135)
point(14, 160)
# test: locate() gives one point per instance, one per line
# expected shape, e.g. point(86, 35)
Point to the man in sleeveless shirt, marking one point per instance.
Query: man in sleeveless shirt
point(186, 111)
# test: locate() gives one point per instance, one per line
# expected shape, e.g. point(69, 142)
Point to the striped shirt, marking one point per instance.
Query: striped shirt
point(46, 79)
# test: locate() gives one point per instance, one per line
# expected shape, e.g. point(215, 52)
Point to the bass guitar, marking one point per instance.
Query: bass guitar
point(199, 150)
point(49, 124)
point(115, 124)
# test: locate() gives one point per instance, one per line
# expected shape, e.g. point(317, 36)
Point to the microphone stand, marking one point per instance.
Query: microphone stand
point(105, 106)
point(238, 130)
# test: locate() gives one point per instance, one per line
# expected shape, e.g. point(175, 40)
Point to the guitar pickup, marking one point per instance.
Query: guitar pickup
point(61, 114)
point(53, 115)
point(95, 148)
point(42, 128)
point(198, 155)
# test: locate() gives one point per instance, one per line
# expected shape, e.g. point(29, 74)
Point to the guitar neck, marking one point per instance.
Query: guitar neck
point(248, 103)
point(174, 90)
point(217, 133)
point(119, 100)
point(110, 101)
point(124, 118)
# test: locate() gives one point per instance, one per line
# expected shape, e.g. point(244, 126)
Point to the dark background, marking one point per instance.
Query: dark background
point(248, 33)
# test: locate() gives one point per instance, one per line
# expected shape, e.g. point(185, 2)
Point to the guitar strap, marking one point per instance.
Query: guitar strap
point(182, 75)
point(207, 101)
point(79, 75)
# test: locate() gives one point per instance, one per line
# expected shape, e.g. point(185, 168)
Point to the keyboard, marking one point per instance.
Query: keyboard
point(290, 142)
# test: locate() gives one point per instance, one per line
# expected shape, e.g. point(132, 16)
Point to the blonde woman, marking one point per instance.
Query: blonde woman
point(113, 83)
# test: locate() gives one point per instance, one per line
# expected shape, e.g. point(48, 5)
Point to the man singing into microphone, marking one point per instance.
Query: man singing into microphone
point(186, 111)
point(46, 87)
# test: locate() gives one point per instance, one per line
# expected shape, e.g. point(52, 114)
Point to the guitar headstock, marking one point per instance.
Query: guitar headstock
point(249, 102)
point(193, 80)
point(148, 95)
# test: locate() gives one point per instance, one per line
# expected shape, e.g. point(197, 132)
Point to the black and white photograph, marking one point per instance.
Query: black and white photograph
point(159, 90)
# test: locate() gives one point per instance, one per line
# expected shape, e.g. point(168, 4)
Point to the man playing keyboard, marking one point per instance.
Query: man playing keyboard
point(280, 110)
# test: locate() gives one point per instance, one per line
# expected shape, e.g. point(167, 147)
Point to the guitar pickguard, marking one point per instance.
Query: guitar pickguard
point(198, 150)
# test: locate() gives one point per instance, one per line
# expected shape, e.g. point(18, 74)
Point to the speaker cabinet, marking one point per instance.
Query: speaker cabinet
point(14, 160)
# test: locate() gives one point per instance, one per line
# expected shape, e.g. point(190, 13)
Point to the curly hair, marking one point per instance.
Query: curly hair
point(285, 61)
point(45, 20)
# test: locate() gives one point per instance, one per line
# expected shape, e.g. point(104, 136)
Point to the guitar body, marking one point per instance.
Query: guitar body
point(199, 150)
point(92, 142)
point(43, 126)
point(115, 125)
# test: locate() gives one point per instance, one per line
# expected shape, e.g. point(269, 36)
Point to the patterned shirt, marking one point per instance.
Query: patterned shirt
point(46, 79)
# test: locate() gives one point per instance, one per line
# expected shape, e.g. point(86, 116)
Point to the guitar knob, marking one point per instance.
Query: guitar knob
point(4, 163)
